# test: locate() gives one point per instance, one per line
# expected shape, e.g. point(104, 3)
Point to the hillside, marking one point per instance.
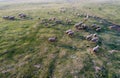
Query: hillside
point(27, 52)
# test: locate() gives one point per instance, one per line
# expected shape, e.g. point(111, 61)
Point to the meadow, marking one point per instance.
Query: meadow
point(25, 51)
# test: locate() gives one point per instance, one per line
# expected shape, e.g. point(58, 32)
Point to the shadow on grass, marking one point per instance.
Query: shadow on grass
point(69, 47)
point(52, 66)
point(113, 46)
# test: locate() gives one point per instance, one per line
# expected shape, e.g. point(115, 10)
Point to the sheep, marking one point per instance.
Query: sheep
point(95, 35)
point(78, 25)
point(97, 69)
point(112, 27)
point(96, 49)
point(98, 29)
point(21, 15)
point(58, 22)
point(62, 10)
point(78, 14)
point(5, 17)
point(86, 18)
point(43, 21)
point(89, 37)
point(84, 26)
point(93, 26)
point(70, 32)
point(68, 21)
point(95, 39)
point(115, 27)
point(9, 17)
point(52, 39)
point(52, 19)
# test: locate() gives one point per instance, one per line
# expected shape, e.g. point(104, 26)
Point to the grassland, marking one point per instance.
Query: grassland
point(26, 53)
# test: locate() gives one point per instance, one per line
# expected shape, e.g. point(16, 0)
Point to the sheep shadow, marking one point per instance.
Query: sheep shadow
point(69, 47)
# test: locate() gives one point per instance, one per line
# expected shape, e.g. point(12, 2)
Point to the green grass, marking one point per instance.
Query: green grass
point(24, 43)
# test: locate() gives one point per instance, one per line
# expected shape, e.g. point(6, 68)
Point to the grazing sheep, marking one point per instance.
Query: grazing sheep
point(115, 27)
point(78, 15)
point(89, 37)
point(94, 26)
point(68, 21)
point(43, 21)
point(95, 39)
point(8, 17)
point(78, 25)
point(5, 17)
point(92, 37)
point(112, 27)
point(97, 69)
point(52, 19)
point(21, 15)
point(11, 18)
point(52, 39)
point(58, 22)
point(62, 10)
point(70, 32)
point(84, 26)
point(86, 15)
point(96, 49)
point(86, 18)
point(98, 29)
